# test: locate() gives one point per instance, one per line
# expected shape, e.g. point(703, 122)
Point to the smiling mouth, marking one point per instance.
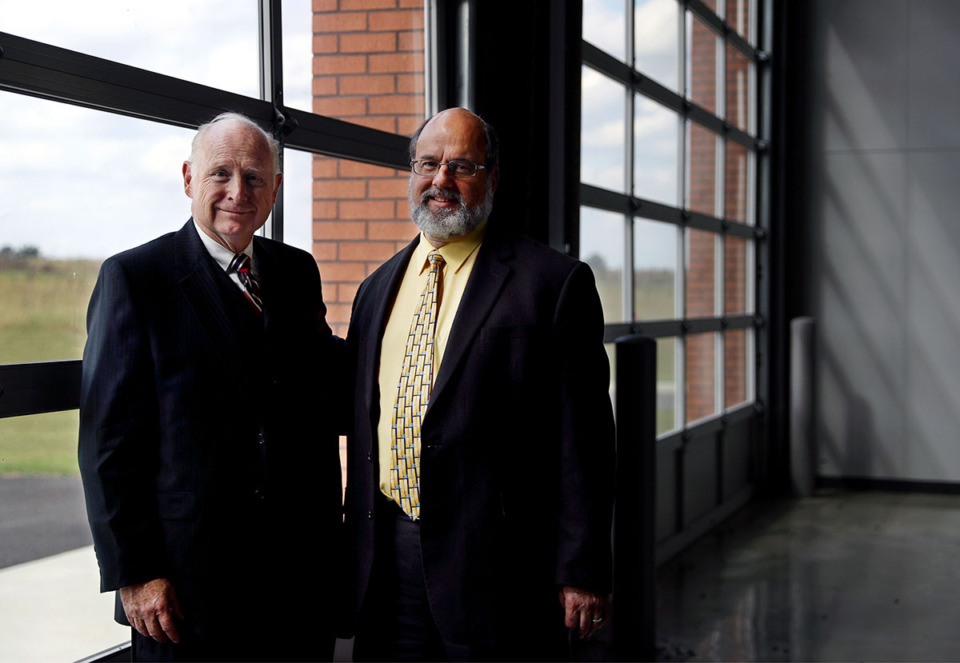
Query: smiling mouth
point(440, 198)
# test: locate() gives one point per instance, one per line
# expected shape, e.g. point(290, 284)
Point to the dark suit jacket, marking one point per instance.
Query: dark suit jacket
point(207, 449)
point(517, 444)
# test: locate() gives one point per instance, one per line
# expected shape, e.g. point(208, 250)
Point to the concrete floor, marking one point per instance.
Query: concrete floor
point(840, 576)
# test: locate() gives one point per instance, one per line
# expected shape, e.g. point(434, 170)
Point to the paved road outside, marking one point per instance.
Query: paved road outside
point(50, 606)
point(40, 517)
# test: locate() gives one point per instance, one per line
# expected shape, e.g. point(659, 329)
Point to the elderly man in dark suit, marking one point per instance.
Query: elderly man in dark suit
point(480, 467)
point(209, 459)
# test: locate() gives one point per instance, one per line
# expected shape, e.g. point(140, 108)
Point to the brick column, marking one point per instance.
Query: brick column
point(368, 70)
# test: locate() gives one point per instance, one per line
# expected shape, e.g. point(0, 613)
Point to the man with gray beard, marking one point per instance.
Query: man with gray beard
point(479, 367)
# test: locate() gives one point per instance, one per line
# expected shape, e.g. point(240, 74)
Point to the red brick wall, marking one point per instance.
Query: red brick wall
point(368, 70)
point(703, 66)
point(700, 355)
point(700, 375)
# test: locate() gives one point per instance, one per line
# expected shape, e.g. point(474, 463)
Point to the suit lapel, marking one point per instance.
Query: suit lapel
point(487, 280)
point(268, 274)
point(196, 279)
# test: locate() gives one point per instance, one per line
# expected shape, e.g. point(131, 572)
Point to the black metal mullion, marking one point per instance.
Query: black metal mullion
point(684, 327)
point(58, 74)
point(50, 72)
point(271, 91)
point(610, 201)
point(35, 388)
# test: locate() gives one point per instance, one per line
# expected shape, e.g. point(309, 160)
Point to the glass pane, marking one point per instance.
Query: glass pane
point(738, 93)
point(601, 247)
point(734, 367)
point(656, 152)
point(736, 275)
point(353, 217)
point(701, 178)
point(701, 84)
point(700, 365)
point(298, 201)
point(657, 41)
point(740, 17)
point(667, 385)
point(604, 26)
point(603, 132)
point(701, 279)
point(299, 47)
point(215, 43)
point(655, 270)
point(46, 552)
point(367, 66)
point(117, 183)
point(43, 444)
point(736, 193)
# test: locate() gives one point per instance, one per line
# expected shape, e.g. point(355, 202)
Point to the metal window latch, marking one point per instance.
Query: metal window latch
point(283, 124)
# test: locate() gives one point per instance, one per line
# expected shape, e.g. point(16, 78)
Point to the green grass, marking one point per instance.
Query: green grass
point(43, 306)
point(39, 444)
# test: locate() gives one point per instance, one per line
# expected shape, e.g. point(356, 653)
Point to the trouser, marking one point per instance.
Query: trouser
point(396, 623)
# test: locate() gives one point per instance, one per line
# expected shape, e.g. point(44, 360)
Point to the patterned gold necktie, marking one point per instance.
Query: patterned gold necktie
point(413, 394)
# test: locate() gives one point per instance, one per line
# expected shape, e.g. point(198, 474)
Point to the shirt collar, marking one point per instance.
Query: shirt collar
point(221, 254)
point(455, 253)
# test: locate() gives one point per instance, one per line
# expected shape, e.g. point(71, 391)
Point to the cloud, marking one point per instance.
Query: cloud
point(87, 183)
point(604, 25)
point(214, 42)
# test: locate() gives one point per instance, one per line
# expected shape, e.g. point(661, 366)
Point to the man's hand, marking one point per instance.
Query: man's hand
point(152, 609)
point(584, 611)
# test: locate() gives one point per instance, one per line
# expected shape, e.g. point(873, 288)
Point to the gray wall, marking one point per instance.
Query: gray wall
point(884, 181)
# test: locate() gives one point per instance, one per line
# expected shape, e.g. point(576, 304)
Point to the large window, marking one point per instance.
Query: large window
point(668, 165)
point(99, 106)
point(671, 148)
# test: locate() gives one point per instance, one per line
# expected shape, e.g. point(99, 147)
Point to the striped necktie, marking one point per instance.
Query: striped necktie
point(251, 286)
point(413, 394)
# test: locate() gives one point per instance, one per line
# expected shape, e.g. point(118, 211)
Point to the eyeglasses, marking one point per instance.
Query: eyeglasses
point(459, 168)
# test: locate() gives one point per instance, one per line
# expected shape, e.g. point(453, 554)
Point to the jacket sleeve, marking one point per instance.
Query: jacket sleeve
point(587, 437)
point(119, 435)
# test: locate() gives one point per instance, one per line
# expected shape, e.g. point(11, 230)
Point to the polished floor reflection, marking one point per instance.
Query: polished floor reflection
point(840, 576)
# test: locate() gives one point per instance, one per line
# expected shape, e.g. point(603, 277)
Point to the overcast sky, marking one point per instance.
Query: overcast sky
point(82, 183)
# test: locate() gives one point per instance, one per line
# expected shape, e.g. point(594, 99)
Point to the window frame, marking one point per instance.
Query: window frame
point(633, 207)
point(57, 74)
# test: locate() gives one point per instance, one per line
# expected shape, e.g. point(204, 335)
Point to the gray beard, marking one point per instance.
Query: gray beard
point(446, 225)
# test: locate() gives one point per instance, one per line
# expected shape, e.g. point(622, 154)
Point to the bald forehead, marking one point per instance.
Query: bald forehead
point(229, 130)
point(459, 117)
point(234, 139)
point(454, 126)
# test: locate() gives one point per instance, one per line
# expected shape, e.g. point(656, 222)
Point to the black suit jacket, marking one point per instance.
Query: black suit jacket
point(517, 445)
point(207, 447)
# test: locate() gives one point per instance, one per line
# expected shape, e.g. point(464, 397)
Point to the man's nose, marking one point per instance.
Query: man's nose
point(443, 177)
point(237, 188)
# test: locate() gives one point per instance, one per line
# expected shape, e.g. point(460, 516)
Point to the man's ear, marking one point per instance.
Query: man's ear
point(276, 187)
point(187, 179)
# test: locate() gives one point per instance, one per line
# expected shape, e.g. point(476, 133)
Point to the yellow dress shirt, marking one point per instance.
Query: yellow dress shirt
point(459, 257)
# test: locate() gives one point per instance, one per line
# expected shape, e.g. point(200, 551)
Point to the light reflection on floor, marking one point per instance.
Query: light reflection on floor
point(841, 576)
